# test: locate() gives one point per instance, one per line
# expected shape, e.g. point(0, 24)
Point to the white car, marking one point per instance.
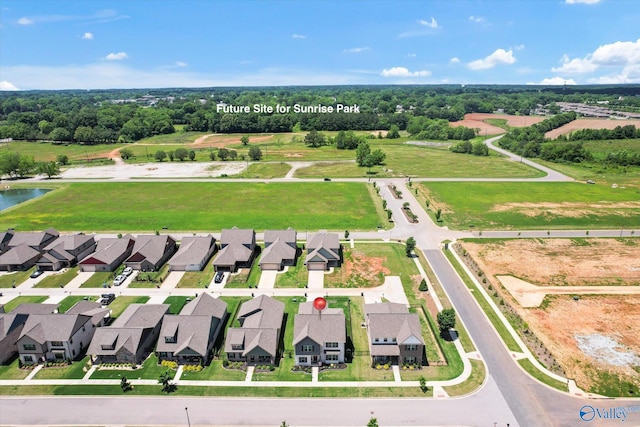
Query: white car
point(119, 279)
point(127, 271)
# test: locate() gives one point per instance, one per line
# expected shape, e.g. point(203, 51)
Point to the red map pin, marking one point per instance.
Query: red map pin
point(319, 303)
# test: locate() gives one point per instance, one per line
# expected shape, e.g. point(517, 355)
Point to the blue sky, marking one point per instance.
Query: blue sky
point(71, 44)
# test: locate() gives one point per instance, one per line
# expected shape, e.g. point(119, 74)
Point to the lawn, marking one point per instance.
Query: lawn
point(176, 303)
point(541, 376)
point(121, 303)
point(191, 206)
point(245, 277)
point(23, 299)
point(266, 170)
point(148, 370)
point(215, 372)
point(59, 279)
point(533, 205)
point(46, 151)
point(98, 280)
point(282, 372)
point(10, 279)
point(72, 300)
point(13, 372)
point(74, 371)
point(471, 384)
point(295, 276)
point(198, 279)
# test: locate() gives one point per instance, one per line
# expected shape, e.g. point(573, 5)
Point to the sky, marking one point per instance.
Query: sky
point(74, 44)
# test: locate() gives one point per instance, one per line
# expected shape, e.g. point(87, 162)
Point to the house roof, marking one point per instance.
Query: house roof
point(205, 304)
point(33, 239)
point(53, 327)
point(385, 307)
point(9, 322)
point(141, 316)
point(405, 328)
point(287, 236)
point(120, 338)
point(328, 326)
point(277, 251)
point(251, 339)
point(69, 242)
point(244, 236)
point(262, 312)
point(191, 332)
point(150, 247)
point(193, 250)
point(232, 253)
point(109, 249)
point(89, 308)
point(18, 255)
point(323, 240)
point(35, 308)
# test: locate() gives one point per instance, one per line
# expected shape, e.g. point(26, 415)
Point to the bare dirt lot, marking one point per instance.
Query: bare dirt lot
point(222, 140)
point(589, 124)
point(477, 121)
point(359, 271)
point(594, 337)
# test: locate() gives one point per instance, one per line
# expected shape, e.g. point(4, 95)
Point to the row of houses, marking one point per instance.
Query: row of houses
point(36, 333)
point(49, 251)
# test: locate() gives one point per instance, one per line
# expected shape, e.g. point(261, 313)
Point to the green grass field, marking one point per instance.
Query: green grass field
point(98, 279)
point(121, 303)
point(45, 151)
point(266, 170)
point(74, 371)
point(58, 279)
point(23, 299)
point(173, 138)
point(10, 279)
point(72, 300)
point(176, 303)
point(196, 206)
point(148, 370)
point(534, 205)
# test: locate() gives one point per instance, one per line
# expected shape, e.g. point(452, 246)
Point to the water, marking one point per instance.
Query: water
point(10, 198)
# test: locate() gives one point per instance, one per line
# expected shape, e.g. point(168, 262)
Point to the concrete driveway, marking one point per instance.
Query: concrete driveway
point(267, 279)
point(172, 280)
point(316, 280)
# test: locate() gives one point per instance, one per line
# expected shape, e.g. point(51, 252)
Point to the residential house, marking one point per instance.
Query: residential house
point(36, 240)
point(100, 315)
point(323, 251)
point(66, 251)
point(319, 337)
point(257, 339)
point(19, 258)
point(110, 253)
point(11, 325)
point(131, 337)
point(190, 336)
point(150, 252)
point(194, 253)
point(395, 335)
point(237, 249)
point(54, 337)
point(21, 250)
point(280, 249)
point(5, 238)
point(35, 308)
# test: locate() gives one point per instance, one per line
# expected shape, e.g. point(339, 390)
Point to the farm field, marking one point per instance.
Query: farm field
point(196, 206)
point(46, 151)
point(511, 120)
point(585, 123)
point(593, 337)
point(533, 205)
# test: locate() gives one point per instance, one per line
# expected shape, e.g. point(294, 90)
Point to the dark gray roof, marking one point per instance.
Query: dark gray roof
point(277, 251)
point(405, 328)
point(35, 308)
point(150, 247)
point(9, 322)
point(244, 236)
point(262, 312)
point(191, 332)
point(328, 326)
point(18, 255)
point(141, 316)
point(266, 339)
point(192, 250)
point(89, 308)
point(127, 338)
point(323, 240)
point(53, 327)
point(385, 307)
point(33, 239)
point(205, 304)
point(232, 253)
point(287, 236)
point(109, 249)
point(69, 242)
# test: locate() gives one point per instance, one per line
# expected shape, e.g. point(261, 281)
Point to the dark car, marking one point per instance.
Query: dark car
point(218, 277)
point(107, 299)
point(36, 273)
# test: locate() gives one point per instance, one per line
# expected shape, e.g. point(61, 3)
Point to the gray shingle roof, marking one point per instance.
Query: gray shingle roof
point(277, 251)
point(244, 236)
point(205, 304)
point(191, 332)
point(33, 239)
point(193, 250)
point(329, 326)
point(127, 338)
point(89, 308)
point(141, 316)
point(18, 255)
point(262, 312)
point(324, 240)
point(287, 236)
point(35, 308)
point(266, 339)
point(69, 242)
point(53, 327)
point(109, 249)
point(150, 247)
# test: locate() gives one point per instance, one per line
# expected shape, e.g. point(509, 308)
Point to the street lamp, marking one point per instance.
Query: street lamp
point(186, 409)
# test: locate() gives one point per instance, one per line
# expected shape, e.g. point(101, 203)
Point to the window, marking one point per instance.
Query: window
point(307, 348)
point(56, 344)
point(28, 358)
point(303, 359)
point(376, 340)
point(393, 340)
point(170, 339)
point(29, 347)
point(411, 347)
point(331, 345)
point(385, 340)
point(58, 356)
point(410, 359)
point(332, 358)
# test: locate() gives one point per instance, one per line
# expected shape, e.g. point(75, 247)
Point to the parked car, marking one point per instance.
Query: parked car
point(127, 271)
point(590, 181)
point(219, 277)
point(107, 299)
point(119, 279)
point(36, 273)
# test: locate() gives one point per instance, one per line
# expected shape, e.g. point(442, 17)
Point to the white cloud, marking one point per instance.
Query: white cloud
point(25, 21)
point(499, 56)
point(629, 74)
point(618, 54)
point(116, 56)
point(99, 17)
point(575, 65)
point(356, 50)
point(5, 85)
point(181, 64)
point(404, 72)
point(454, 60)
point(556, 81)
point(582, 1)
point(519, 47)
point(478, 19)
point(87, 36)
point(298, 36)
point(411, 55)
point(431, 24)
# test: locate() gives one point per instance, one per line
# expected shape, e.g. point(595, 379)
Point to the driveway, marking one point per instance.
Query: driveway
point(172, 280)
point(316, 280)
point(267, 279)
point(77, 281)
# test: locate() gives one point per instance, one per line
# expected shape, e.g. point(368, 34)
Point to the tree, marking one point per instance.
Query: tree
point(171, 155)
point(125, 385)
point(26, 166)
point(255, 153)
point(63, 159)
point(439, 215)
point(192, 155)
point(315, 139)
point(446, 320)
point(223, 154)
point(233, 154)
point(410, 246)
point(160, 155)
point(394, 132)
point(423, 286)
point(165, 380)
point(212, 155)
point(48, 168)
point(245, 140)
point(373, 422)
point(126, 153)
point(423, 384)
point(362, 152)
point(480, 149)
point(181, 154)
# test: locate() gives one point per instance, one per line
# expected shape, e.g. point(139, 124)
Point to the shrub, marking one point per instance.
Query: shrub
point(423, 286)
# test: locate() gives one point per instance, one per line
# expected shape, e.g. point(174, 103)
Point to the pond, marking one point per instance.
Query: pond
point(13, 197)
